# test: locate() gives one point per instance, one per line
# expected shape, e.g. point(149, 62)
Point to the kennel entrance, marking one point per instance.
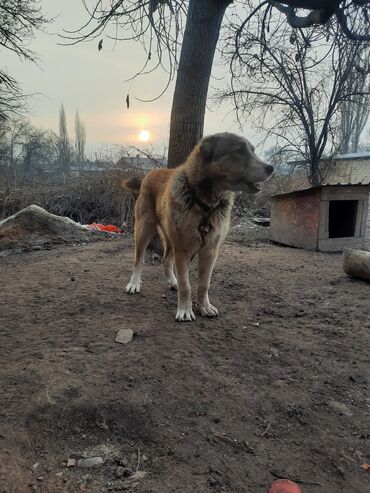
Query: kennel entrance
point(342, 218)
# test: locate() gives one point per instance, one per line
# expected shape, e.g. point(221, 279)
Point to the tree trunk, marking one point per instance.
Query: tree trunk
point(314, 170)
point(189, 101)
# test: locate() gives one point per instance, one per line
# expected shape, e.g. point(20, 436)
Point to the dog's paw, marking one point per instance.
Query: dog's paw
point(173, 285)
point(133, 287)
point(185, 315)
point(208, 310)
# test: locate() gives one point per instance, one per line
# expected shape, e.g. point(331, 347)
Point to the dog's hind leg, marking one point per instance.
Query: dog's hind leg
point(145, 228)
point(206, 261)
point(168, 267)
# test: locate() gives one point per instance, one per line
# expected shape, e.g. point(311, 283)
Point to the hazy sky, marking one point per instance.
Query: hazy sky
point(93, 82)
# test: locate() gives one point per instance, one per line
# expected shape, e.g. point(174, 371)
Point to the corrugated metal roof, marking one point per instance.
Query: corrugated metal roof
point(307, 189)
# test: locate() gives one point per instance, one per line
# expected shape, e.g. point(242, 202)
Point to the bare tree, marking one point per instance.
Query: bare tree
point(25, 152)
point(352, 17)
point(294, 84)
point(19, 19)
point(12, 101)
point(37, 153)
point(13, 136)
point(80, 141)
point(354, 113)
point(161, 25)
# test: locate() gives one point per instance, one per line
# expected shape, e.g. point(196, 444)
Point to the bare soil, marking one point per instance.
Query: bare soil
point(277, 386)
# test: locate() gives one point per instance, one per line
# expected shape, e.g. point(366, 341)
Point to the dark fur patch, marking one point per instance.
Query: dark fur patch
point(132, 184)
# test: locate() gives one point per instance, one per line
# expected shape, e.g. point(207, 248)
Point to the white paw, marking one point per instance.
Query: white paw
point(208, 310)
point(133, 287)
point(185, 315)
point(173, 285)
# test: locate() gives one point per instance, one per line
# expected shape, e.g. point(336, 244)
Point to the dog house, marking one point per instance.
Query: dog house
point(328, 218)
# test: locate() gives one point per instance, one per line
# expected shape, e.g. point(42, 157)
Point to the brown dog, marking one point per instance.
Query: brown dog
point(190, 206)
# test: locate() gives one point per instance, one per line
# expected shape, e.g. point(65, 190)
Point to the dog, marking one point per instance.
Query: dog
point(190, 206)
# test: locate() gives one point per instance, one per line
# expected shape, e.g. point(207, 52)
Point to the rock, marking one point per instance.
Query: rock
point(342, 408)
point(124, 336)
point(71, 462)
point(137, 475)
point(90, 462)
point(273, 352)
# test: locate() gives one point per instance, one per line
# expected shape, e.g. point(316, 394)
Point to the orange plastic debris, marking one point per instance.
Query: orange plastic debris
point(104, 227)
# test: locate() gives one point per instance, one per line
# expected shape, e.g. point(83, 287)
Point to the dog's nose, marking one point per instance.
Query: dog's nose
point(269, 169)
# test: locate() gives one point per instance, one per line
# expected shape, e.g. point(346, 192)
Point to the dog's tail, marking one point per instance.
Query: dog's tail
point(132, 184)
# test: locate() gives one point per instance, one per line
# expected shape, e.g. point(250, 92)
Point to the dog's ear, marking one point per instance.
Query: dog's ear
point(207, 147)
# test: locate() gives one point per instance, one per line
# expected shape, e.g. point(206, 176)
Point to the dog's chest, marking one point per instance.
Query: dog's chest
point(211, 226)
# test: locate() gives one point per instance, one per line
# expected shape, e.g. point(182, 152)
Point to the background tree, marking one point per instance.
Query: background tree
point(295, 83)
point(37, 154)
point(354, 113)
point(25, 152)
point(13, 137)
point(63, 145)
point(80, 141)
point(19, 19)
point(158, 24)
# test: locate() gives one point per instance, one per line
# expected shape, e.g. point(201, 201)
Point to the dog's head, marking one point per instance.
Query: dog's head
point(230, 161)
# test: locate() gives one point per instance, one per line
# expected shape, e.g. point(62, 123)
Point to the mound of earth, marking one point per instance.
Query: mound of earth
point(34, 227)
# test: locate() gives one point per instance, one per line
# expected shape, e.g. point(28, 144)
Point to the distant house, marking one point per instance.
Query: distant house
point(90, 167)
point(139, 163)
point(330, 217)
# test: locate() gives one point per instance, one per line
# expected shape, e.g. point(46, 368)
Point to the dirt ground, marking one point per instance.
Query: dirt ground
point(277, 386)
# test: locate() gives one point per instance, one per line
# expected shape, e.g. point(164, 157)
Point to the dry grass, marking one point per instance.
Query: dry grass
point(85, 199)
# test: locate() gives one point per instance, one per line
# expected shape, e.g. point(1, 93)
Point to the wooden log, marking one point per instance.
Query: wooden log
point(356, 263)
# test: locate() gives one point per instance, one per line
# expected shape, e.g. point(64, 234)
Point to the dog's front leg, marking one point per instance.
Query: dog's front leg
point(184, 307)
point(206, 261)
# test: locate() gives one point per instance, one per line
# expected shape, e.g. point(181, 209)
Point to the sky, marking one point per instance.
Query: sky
point(83, 78)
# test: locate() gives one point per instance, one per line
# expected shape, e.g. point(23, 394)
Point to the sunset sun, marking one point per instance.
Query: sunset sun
point(144, 135)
